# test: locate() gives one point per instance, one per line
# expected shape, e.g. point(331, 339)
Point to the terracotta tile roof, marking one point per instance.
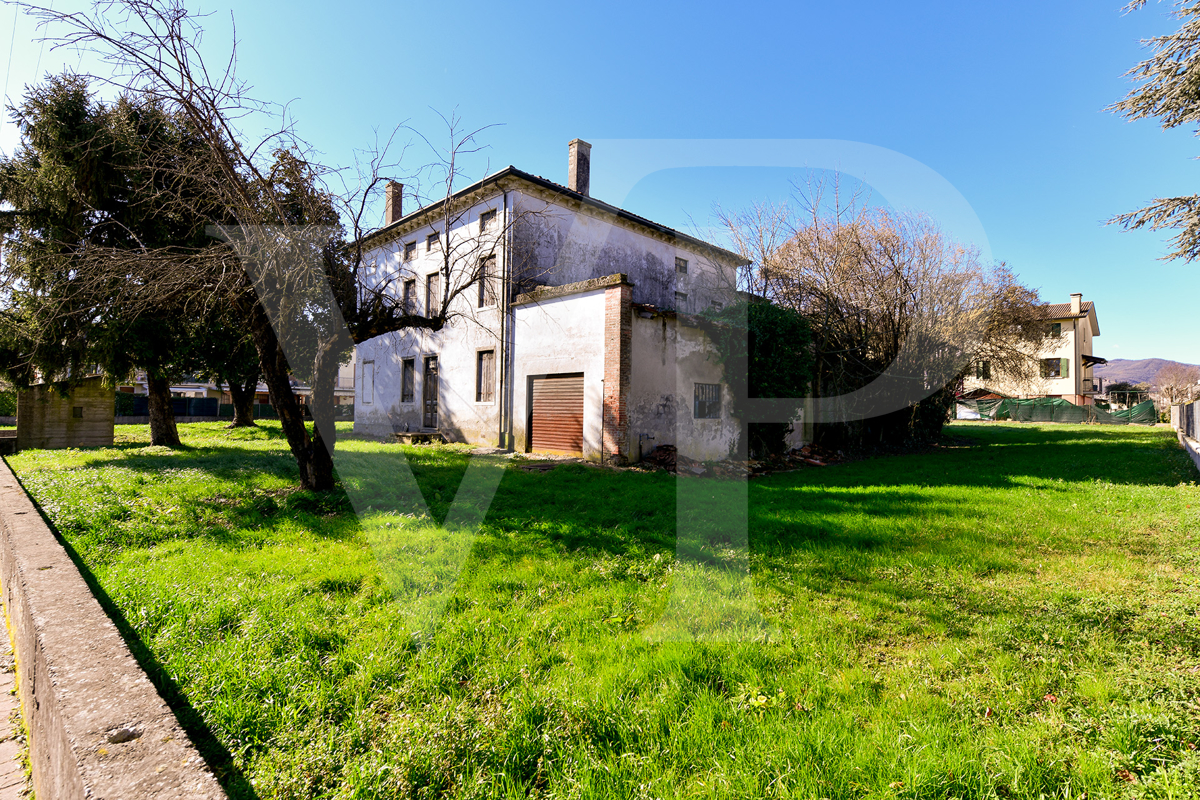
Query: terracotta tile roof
point(1063, 311)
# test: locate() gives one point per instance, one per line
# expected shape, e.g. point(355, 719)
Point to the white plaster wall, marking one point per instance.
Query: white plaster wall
point(668, 360)
point(460, 417)
point(562, 335)
point(554, 245)
point(559, 245)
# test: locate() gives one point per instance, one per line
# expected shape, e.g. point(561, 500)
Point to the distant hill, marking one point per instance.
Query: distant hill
point(1132, 370)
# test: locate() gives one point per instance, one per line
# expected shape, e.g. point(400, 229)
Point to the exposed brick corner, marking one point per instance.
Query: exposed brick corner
point(618, 366)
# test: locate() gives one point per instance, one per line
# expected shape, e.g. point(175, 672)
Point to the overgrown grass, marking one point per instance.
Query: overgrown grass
point(1018, 618)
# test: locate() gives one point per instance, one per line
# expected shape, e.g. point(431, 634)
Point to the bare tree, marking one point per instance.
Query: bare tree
point(303, 294)
point(895, 306)
point(1178, 384)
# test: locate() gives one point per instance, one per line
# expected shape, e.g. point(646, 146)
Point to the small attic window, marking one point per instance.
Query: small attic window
point(681, 265)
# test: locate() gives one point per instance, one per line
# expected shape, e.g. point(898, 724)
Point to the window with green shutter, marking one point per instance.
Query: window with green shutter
point(1054, 367)
point(1064, 370)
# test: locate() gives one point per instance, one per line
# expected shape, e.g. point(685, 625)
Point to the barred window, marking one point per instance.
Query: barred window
point(408, 379)
point(485, 376)
point(707, 401)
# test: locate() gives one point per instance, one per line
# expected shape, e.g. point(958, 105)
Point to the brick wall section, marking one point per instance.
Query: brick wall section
point(618, 366)
point(45, 419)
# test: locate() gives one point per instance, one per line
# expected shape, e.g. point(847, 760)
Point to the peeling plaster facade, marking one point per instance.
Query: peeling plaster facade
point(580, 287)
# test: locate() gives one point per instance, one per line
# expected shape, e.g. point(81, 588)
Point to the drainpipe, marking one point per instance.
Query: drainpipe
point(504, 434)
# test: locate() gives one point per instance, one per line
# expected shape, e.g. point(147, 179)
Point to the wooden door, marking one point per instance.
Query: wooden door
point(429, 392)
point(556, 414)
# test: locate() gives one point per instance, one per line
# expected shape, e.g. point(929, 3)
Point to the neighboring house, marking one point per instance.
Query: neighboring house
point(1064, 363)
point(576, 338)
point(343, 388)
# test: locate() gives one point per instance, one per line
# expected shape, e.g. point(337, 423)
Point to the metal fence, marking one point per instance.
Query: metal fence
point(1183, 419)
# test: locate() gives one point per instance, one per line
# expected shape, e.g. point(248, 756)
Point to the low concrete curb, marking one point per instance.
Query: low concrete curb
point(97, 727)
point(1192, 447)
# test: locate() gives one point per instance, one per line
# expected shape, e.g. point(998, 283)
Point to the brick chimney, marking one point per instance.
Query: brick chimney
point(579, 166)
point(1076, 303)
point(395, 203)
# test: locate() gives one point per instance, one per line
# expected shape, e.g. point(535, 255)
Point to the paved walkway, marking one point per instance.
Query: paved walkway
point(12, 775)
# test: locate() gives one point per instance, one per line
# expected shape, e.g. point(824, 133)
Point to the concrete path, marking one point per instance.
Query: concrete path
point(13, 785)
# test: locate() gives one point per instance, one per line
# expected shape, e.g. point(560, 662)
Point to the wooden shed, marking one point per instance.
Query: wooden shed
point(83, 418)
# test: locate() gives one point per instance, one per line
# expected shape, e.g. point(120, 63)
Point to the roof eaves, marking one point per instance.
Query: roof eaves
point(537, 180)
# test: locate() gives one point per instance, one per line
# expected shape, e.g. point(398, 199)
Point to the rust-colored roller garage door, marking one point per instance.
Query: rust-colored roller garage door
point(556, 414)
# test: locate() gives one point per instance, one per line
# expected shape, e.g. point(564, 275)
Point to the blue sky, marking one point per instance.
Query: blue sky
point(1004, 102)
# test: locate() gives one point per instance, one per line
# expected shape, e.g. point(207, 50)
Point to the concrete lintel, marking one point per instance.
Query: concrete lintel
point(551, 292)
point(97, 726)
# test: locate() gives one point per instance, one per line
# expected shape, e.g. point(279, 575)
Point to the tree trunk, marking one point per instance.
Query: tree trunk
point(243, 401)
point(162, 415)
point(315, 462)
point(325, 370)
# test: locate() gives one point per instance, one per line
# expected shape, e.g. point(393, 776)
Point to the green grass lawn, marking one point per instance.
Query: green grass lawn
point(1018, 618)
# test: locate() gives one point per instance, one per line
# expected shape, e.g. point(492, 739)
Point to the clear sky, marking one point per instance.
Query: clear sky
point(996, 108)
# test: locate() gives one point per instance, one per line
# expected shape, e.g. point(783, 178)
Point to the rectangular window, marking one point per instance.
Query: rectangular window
point(1056, 330)
point(431, 241)
point(1056, 368)
point(77, 412)
point(410, 297)
point(487, 220)
point(410, 250)
point(983, 370)
point(408, 380)
point(433, 294)
point(716, 305)
point(368, 382)
point(680, 301)
point(707, 401)
point(681, 265)
point(485, 376)
point(487, 285)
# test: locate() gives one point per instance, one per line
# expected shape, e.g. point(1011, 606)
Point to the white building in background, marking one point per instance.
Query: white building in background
point(1064, 363)
point(343, 388)
point(576, 338)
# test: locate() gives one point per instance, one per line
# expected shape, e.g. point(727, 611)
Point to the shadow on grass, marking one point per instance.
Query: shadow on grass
point(216, 755)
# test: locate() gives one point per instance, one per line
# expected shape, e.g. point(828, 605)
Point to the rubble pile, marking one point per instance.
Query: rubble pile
point(662, 456)
point(668, 458)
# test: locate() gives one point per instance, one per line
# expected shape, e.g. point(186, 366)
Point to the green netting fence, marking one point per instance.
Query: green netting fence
point(1055, 409)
